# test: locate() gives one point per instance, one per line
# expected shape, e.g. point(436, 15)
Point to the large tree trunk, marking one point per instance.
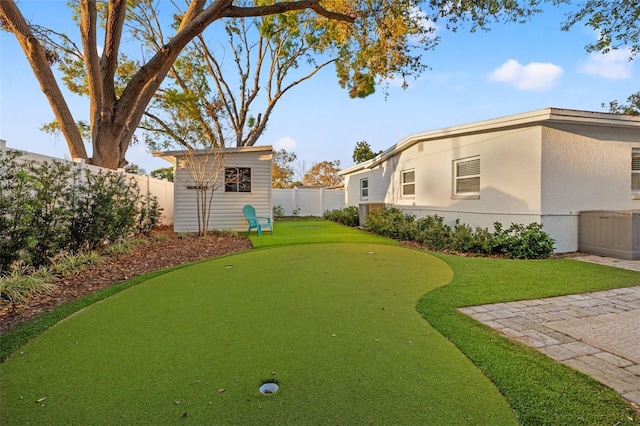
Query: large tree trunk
point(113, 120)
point(37, 57)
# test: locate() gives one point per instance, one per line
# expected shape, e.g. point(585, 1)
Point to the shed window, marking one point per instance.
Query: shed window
point(237, 179)
point(364, 189)
point(408, 183)
point(635, 170)
point(467, 176)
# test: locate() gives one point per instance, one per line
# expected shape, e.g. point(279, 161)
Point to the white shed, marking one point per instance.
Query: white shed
point(252, 164)
point(544, 166)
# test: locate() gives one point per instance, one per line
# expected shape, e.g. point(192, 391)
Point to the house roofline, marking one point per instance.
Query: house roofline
point(542, 116)
point(170, 156)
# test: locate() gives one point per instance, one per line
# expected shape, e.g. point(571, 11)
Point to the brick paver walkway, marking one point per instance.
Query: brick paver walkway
point(596, 333)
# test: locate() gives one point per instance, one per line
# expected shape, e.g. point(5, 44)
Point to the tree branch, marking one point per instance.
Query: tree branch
point(88, 23)
point(37, 58)
point(246, 12)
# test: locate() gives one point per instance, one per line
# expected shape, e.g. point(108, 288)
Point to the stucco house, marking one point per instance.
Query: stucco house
point(244, 178)
point(544, 166)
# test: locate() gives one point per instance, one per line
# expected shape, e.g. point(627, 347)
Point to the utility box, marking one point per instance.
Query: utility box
point(610, 233)
point(365, 209)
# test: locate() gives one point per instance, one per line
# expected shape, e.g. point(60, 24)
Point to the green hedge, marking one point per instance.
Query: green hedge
point(52, 207)
point(517, 242)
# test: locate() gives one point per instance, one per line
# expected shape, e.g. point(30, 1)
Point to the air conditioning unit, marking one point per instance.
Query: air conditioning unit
point(365, 209)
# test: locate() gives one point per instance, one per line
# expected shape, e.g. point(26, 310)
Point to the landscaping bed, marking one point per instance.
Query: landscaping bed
point(162, 249)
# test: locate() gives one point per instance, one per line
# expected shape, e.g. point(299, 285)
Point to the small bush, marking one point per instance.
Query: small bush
point(516, 242)
point(392, 223)
point(278, 211)
point(52, 207)
point(348, 216)
point(523, 242)
point(433, 232)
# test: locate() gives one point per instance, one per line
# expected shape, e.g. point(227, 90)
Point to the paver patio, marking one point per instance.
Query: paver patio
point(596, 333)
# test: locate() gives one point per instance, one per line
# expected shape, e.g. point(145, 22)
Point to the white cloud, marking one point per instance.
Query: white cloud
point(614, 65)
point(287, 143)
point(534, 76)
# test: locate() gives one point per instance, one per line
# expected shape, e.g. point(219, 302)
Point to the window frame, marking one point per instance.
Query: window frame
point(364, 188)
point(473, 195)
point(404, 184)
point(237, 187)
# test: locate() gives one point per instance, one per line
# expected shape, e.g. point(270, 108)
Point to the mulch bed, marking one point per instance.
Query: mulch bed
point(163, 248)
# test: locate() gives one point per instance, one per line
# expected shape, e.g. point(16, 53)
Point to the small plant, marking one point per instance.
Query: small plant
point(18, 284)
point(296, 211)
point(161, 237)
point(348, 216)
point(278, 211)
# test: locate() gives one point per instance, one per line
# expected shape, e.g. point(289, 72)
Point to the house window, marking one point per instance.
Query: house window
point(364, 189)
point(466, 176)
point(408, 183)
point(635, 170)
point(237, 179)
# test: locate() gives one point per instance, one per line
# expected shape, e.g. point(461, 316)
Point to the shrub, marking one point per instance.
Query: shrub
point(517, 242)
point(278, 211)
point(348, 216)
point(433, 232)
point(392, 223)
point(523, 242)
point(49, 208)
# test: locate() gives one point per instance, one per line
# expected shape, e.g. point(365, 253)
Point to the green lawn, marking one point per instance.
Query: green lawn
point(334, 323)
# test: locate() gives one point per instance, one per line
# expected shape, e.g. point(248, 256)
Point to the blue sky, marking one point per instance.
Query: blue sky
point(511, 69)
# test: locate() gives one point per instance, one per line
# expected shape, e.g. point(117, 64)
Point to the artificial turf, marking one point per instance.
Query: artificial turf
point(540, 390)
point(334, 324)
point(184, 338)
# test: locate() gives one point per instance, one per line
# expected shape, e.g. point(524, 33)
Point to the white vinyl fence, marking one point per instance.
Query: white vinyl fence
point(161, 189)
point(308, 201)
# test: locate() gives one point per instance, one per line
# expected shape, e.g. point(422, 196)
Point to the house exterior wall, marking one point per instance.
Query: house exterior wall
point(226, 208)
point(509, 181)
point(379, 180)
point(584, 168)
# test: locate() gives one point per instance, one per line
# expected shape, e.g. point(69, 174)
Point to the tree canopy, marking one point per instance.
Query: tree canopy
point(324, 173)
point(374, 40)
point(362, 152)
point(368, 41)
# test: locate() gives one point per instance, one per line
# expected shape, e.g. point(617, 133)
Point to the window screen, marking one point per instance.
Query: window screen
point(467, 176)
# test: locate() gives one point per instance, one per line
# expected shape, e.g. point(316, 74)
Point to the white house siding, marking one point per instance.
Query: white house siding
point(226, 209)
point(544, 166)
point(379, 180)
point(508, 194)
point(584, 168)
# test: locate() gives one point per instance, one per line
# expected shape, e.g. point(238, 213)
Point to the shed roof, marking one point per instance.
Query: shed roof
point(170, 156)
point(538, 117)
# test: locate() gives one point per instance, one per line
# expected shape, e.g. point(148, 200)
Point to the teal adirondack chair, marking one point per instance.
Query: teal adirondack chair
point(256, 221)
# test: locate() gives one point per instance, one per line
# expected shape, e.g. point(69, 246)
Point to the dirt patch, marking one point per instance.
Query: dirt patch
point(162, 249)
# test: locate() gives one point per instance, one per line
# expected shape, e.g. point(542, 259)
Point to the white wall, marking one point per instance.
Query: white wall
point(309, 201)
point(584, 168)
point(161, 189)
point(226, 208)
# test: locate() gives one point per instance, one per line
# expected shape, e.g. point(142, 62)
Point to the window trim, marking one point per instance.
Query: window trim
point(363, 188)
point(404, 184)
point(228, 186)
point(475, 195)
